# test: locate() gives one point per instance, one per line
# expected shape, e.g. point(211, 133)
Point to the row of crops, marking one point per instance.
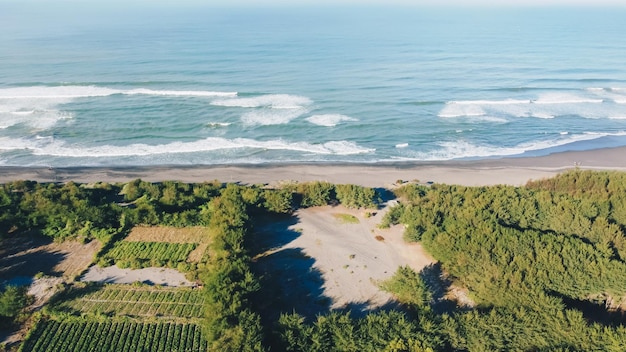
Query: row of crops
point(147, 254)
point(134, 301)
point(52, 336)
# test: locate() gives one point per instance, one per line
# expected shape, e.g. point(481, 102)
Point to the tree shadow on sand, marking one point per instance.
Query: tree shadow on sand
point(289, 281)
point(385, 196)
point(439, 284)
point(31, 262)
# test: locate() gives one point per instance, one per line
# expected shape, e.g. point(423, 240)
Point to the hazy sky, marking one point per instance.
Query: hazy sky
point(421, 2)
point(257, 3)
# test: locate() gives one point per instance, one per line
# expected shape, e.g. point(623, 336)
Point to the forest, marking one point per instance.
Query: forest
point(544, 263)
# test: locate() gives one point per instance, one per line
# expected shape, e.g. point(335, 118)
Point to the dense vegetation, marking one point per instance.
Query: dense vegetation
point(545, 264)
point(12, 301)
point(536, 259)
point(100, 210)
point(147, 254)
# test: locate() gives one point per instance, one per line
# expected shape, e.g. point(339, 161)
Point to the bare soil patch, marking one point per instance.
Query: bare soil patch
point(168, 234)
point(29, 255)
point(152, 276)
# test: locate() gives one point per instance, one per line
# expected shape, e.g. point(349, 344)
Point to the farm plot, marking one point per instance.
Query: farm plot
point(199, 235)
point(159, 247)
point(87, 335)
point(149, 253)
point(133, 301)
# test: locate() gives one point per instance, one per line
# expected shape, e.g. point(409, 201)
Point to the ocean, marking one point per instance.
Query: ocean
point(126, 85)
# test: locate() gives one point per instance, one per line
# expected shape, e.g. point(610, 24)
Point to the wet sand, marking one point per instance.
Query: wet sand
point(512, 171)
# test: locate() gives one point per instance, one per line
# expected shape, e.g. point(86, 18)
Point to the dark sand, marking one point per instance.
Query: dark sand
point(513, 171)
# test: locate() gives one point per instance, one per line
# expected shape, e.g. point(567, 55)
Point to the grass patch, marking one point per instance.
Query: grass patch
point(346, 218)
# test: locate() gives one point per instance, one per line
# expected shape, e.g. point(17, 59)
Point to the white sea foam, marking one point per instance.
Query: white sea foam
point(452, 110)
point(345, 148)
point(276, 101)
point(615, 94)
point(463, 149)
point(38, 120)
point(9, 144)
point(58, 92)
point(541, 115)
point(72, 92)
point(545, 106)
point(329, 120)
point(218, 124)
point(22, 113)
point(487, 118)
point(554, 98)
point(180, 93)
point(38, 106)
point(48, 146)
point(271, 116)
point(489, 102)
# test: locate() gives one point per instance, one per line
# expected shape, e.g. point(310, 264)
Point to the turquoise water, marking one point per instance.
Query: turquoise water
point(113, 86)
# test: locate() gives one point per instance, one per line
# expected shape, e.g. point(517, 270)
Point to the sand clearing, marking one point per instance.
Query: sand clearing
point(325, 262)
point(154, 276)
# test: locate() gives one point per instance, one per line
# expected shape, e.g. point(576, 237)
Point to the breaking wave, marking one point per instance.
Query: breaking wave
point(450, 150)
point(49, 146)
point(329, 120)
point(594, 103)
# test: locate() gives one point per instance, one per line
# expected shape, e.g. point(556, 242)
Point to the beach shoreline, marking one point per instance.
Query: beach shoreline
point(480, 172)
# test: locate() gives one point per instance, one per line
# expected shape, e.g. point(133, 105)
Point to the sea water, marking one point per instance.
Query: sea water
point(124, 84)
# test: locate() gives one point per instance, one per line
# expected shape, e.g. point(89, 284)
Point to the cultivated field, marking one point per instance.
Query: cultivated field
point(81, 336)
point(199, 235)
point(133, 301)
point(121, 318)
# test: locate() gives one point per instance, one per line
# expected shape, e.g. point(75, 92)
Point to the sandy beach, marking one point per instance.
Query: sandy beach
point(513, 171)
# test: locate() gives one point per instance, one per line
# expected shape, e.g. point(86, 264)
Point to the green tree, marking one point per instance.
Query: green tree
point(12, 301)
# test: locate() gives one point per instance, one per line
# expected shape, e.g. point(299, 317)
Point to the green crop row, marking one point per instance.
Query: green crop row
point(53, 336)
point(146, 254)
point(133, 301)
